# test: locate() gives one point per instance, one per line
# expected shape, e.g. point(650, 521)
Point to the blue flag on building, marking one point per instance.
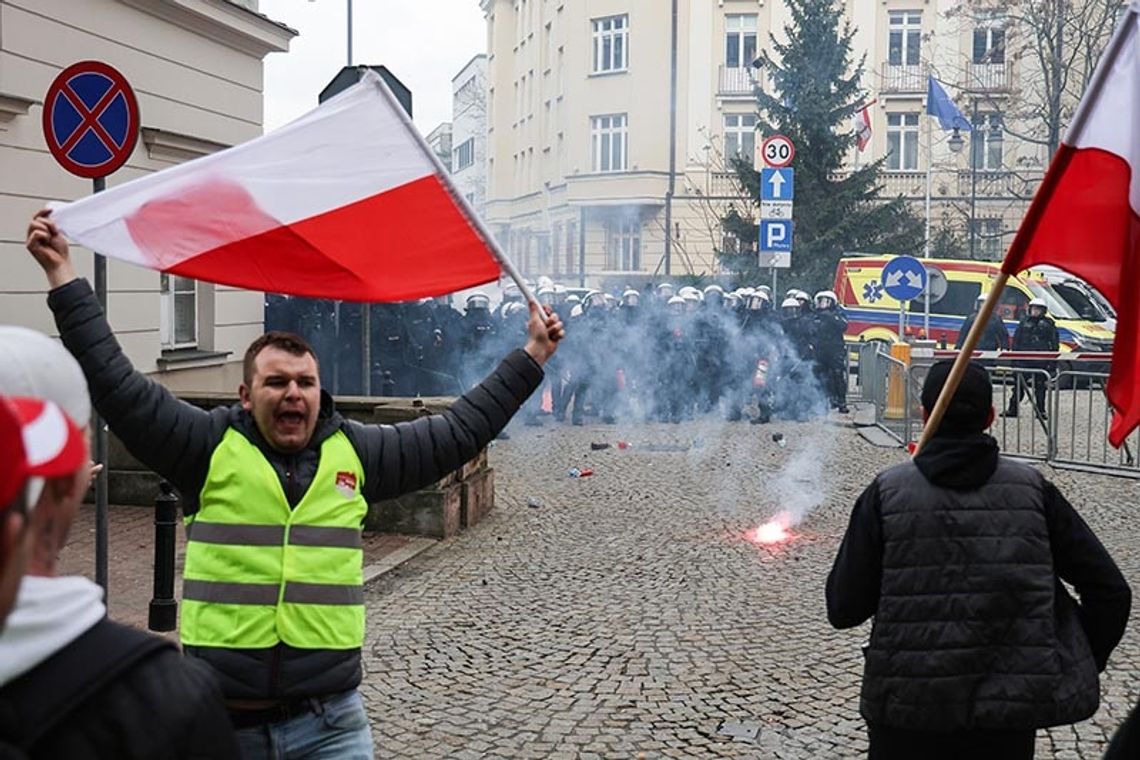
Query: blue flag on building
point(939, 104)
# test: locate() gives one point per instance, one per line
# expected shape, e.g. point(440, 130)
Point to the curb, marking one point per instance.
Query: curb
point(415, 547)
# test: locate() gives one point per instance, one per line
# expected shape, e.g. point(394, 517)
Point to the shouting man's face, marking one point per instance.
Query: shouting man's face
point(284, 397)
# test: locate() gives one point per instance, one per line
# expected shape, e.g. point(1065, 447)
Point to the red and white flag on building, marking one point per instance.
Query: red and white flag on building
point(863, 128)
point(1085, 217)
point(346, 202)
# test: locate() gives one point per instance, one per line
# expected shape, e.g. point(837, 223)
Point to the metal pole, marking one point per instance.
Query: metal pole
point(974, 181)
point(582, 247)
point(99, 184)
point(926, 244)
point(365, 309)
point(672, 144)
point(349, 32)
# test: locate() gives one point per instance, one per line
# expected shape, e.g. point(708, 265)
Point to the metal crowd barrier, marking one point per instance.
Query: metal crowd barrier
point(1071, 433)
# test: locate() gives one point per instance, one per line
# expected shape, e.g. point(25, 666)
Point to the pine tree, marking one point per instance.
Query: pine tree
point(817, 93)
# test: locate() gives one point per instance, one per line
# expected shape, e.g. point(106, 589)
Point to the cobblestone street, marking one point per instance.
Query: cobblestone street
point(629, 616)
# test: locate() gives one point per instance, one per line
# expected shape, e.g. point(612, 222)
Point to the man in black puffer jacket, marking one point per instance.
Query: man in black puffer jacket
point(276, 489)
point(959, 555)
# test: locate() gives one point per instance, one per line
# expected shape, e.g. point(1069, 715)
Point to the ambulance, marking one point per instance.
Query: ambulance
point(872, 315)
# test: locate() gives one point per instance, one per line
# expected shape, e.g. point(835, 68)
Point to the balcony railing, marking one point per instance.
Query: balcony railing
point(959, 184)
point(988, 77)
point(738, 81)
point(899, 78)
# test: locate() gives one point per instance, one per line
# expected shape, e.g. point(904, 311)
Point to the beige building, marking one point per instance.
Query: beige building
point(196, 70)
point(579, 102)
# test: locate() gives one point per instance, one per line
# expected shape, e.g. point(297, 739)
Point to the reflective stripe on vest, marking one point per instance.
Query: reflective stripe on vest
point(257, 572)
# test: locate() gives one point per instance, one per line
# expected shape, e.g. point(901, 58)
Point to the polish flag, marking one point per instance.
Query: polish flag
point(346, 202)
point(863, 128)
point(1085, 217)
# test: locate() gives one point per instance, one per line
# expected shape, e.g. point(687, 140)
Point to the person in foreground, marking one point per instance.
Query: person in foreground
point(276, 489)
point(73, 684)
point(961, 557)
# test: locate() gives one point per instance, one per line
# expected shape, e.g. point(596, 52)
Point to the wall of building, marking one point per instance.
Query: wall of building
point(469, 123)
point(196, 69)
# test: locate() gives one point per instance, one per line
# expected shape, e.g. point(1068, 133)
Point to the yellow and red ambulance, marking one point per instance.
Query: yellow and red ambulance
point(872, 315)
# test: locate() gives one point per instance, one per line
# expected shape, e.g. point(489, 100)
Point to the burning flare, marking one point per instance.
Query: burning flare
point(775, 531)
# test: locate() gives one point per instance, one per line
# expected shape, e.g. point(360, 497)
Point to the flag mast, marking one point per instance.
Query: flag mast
point(1029, 224)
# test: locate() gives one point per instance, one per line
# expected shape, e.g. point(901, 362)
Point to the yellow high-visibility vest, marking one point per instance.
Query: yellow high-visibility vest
point(257, 572)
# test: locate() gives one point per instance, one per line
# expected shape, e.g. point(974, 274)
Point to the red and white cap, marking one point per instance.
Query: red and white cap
point(37, 440)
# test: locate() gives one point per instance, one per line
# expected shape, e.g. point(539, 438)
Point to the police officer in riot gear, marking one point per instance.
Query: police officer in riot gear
point(1035, 332)
point(994, 337)
point(829, 326)
point(480, 329)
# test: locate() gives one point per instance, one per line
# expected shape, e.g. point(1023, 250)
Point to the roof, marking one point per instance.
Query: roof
point(242, 5)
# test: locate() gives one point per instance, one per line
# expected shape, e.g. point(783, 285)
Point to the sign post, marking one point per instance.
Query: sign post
point(91, 126)
point(904, 279)
point(777, 197)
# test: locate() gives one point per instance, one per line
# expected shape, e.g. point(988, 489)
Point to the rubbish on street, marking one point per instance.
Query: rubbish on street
point(599, 446)
point(533, 503)
point(625, 445)
point(780, 440)
point(584, 472)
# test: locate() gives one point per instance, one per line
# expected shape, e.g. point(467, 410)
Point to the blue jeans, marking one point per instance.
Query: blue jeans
point(338, 732)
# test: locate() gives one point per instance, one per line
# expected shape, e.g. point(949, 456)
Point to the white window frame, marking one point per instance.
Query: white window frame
point(609, 142)
point(623, 245)
point(995, 39)
point(902, 142)
point(611, 44)
point(743, 27)
point(175, 289)
point(740, 136)
point(906, 27)
point(465, 154)
point(987, 143)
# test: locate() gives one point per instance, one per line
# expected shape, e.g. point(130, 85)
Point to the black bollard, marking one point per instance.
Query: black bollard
point(163, 607)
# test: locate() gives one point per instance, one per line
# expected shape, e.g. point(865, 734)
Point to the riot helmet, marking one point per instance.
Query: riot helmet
point(478, 302)
point(631, 298)
point(790, 308)
point(1038, 307)
point(825, 300)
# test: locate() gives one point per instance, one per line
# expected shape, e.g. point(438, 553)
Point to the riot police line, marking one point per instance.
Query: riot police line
point(663, 354)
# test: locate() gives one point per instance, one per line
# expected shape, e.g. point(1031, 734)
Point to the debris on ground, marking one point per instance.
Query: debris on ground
point(625, 445)
point(584, 472)
point(534, 503)
point(599, 446)
point(780, 440)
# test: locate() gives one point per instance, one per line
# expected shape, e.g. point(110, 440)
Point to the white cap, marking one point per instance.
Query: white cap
point(32, 364)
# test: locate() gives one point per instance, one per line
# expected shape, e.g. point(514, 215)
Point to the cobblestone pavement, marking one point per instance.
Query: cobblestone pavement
point(629, 616)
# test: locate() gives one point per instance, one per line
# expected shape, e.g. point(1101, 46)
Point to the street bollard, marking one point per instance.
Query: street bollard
point(896, 382)
point(163, 606)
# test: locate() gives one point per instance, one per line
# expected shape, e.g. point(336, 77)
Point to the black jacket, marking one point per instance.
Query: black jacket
point(163, 706)
point(994, 337)
point(176, 440)
point(960, 487)
point(1036, 334)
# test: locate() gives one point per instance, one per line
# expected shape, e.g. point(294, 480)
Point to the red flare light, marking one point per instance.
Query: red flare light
point(775, 531)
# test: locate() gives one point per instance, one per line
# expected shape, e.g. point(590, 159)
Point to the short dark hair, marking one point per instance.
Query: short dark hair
point(286, 341)
point(969, 410)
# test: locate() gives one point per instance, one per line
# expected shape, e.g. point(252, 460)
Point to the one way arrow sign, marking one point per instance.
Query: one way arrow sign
point(777, 184)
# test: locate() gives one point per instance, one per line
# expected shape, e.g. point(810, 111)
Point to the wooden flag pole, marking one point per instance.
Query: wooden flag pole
point(959, 369)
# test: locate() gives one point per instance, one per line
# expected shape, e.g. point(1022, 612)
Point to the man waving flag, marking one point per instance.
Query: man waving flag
point(1085, 217)
point(346, 202)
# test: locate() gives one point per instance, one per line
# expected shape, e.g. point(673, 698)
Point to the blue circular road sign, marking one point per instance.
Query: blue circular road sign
point(91, 119)
point(904, 278)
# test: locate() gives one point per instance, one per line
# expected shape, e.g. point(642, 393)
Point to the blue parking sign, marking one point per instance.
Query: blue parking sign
point(776, 235)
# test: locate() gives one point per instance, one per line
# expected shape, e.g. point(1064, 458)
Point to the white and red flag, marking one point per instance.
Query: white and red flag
point(346, 202)
point(1085, 217)
point(863, 131)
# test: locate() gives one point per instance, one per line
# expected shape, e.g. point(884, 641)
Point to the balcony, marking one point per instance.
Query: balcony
point(903, 78)
point(959, 184)
point(988, 77)
point(738, 81)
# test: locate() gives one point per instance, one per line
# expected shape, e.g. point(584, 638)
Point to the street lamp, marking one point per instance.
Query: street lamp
point(956, 142)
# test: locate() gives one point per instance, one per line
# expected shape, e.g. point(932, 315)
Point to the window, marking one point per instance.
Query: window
point(179, 311)
point(989, 44)
point(959, 299)
point(987, 142)
point(623, 245)
point(740, 136)
point(465, 154)
point(905, 38)
point(739, 40)
point(902, 142)
point(610, 142)
point(611, 44)
point(987, 239)
point(1013, 304)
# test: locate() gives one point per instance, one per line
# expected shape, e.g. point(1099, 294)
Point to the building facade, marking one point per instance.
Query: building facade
point(469, 120)
point(440, 142)
point(579, 136)
point(196, 70)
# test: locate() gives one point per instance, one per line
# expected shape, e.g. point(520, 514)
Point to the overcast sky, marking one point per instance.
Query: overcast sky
point(423, 42)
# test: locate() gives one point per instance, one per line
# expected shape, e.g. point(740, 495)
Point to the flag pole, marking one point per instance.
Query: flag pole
point(926, 243)
point(1029, 224)
point(445, 178)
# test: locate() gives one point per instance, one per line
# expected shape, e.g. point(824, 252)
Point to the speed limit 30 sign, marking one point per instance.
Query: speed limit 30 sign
point(777, 151)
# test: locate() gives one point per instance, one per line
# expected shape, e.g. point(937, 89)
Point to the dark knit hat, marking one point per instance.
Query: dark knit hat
point(969, 410)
